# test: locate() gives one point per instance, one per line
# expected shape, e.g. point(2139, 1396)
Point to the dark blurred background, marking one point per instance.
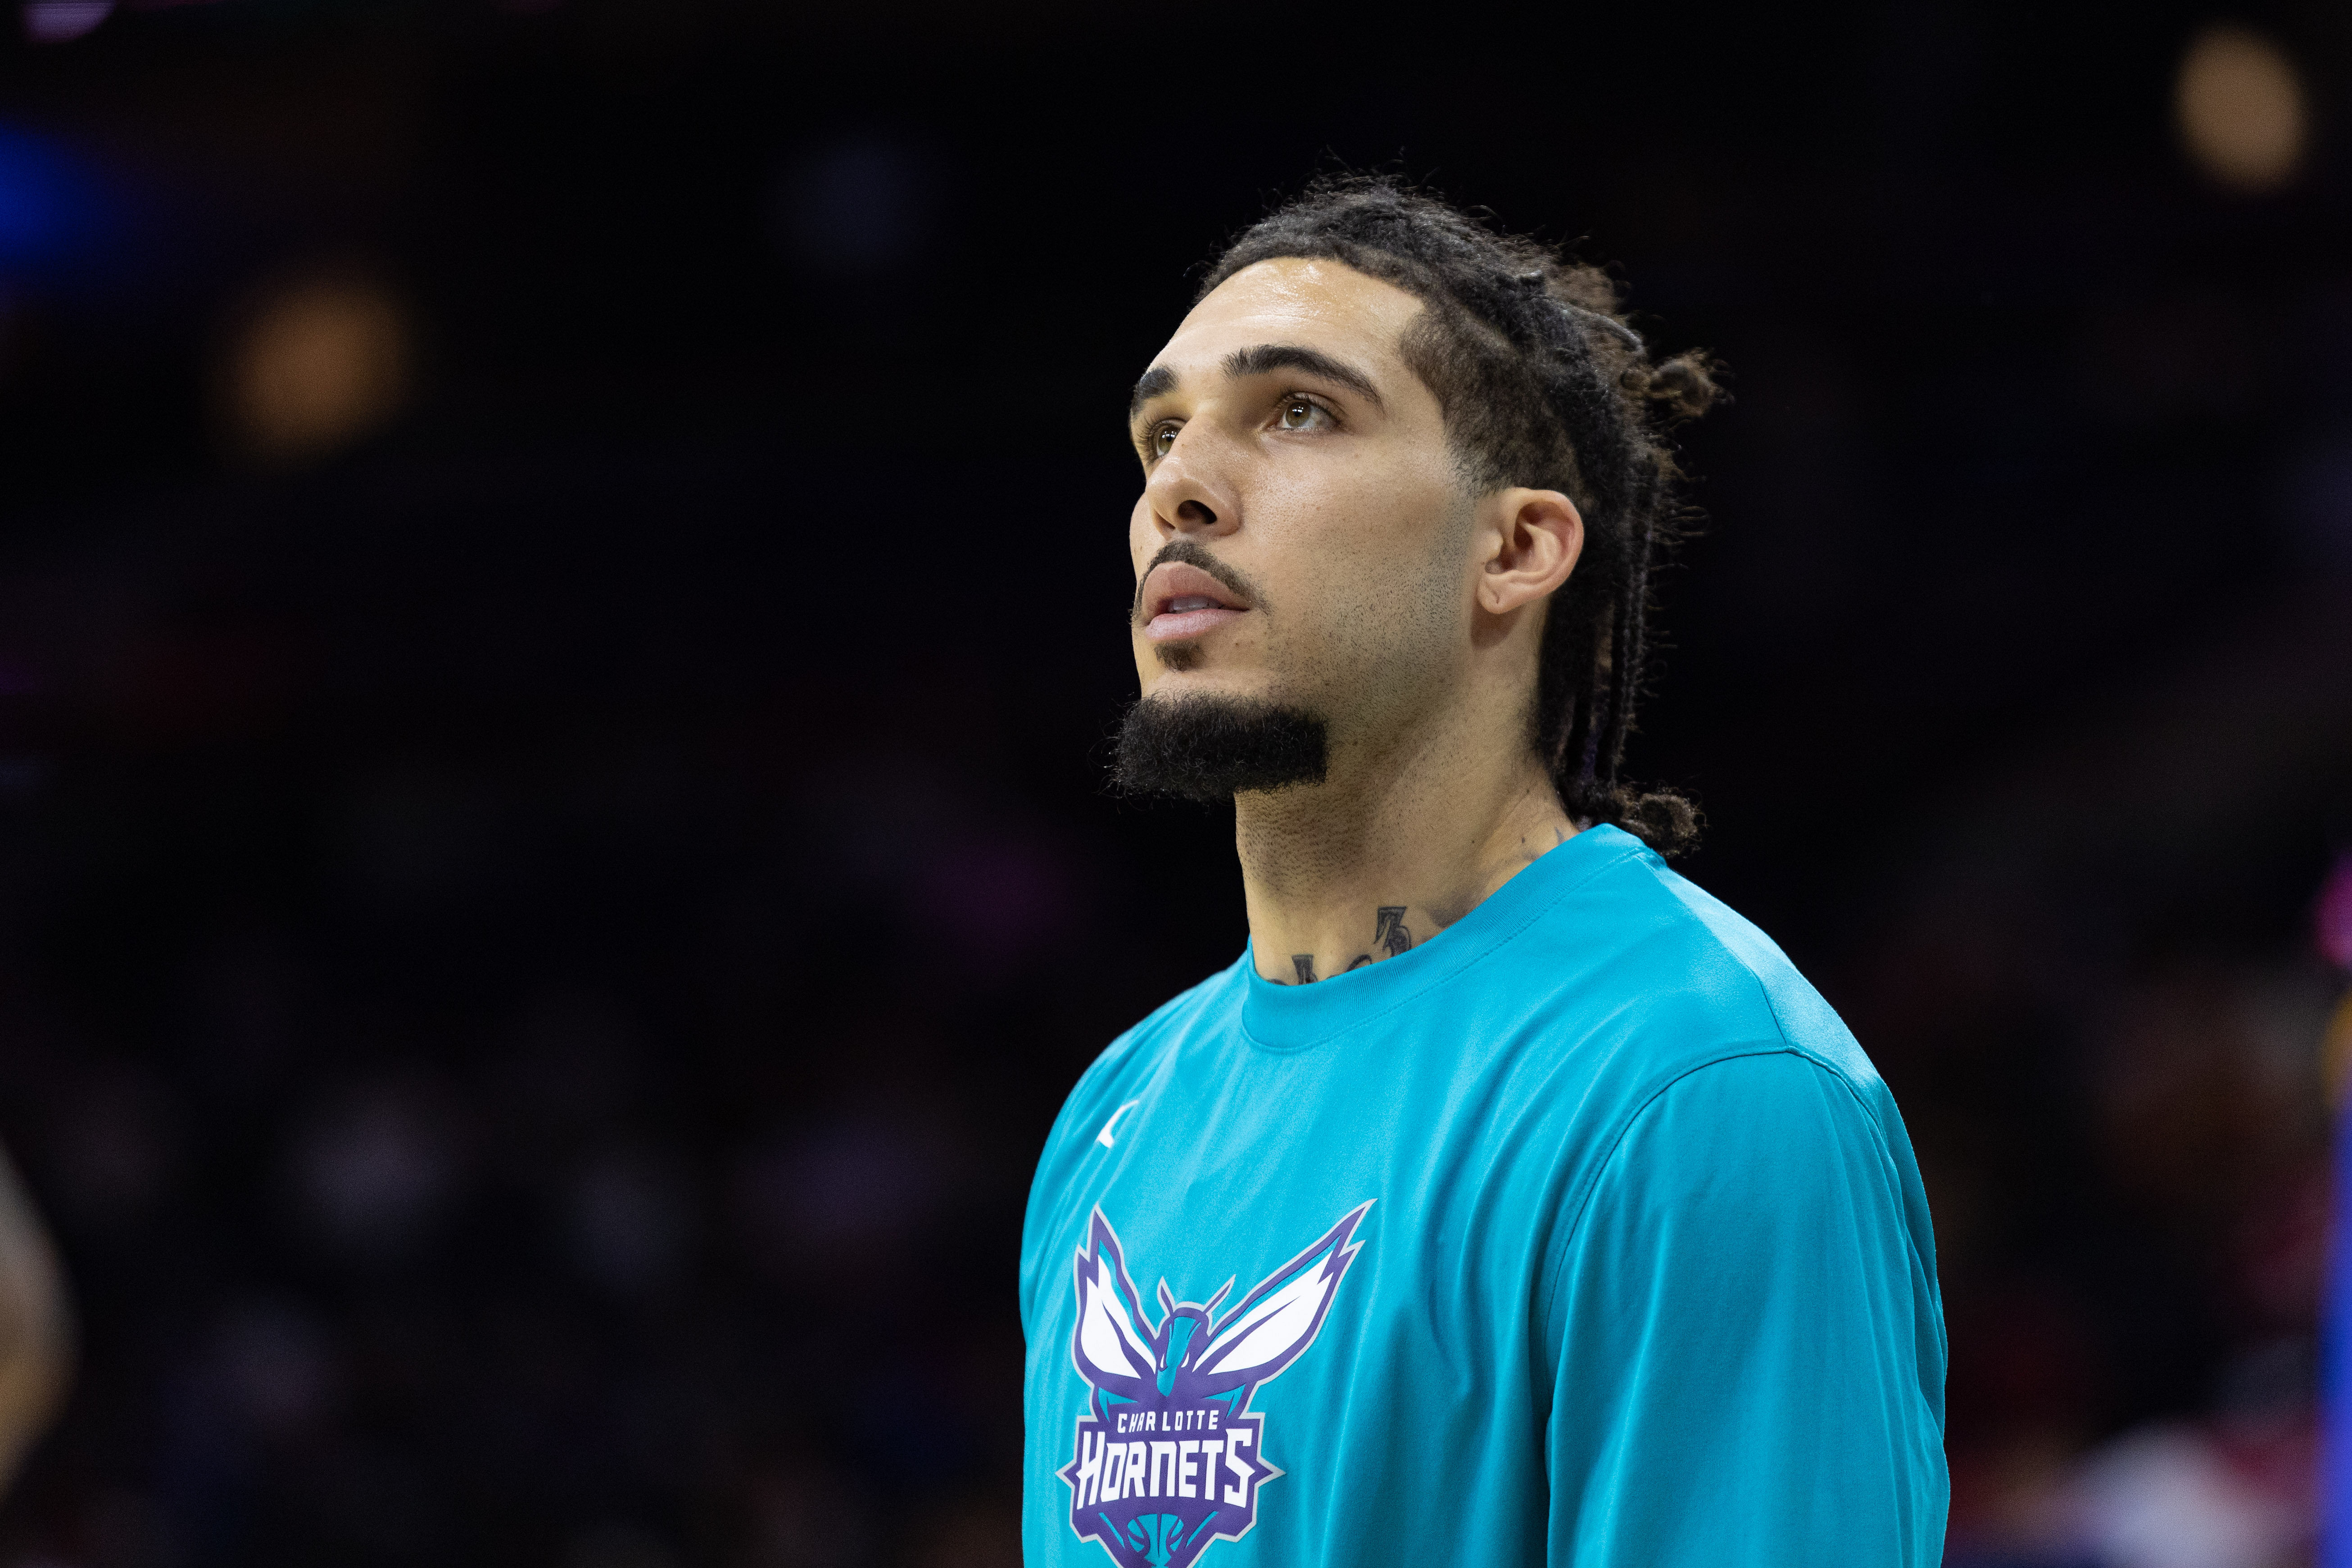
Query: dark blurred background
point(561, 588)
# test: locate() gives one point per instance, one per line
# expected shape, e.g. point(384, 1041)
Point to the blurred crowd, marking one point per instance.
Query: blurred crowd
point(603, 1148)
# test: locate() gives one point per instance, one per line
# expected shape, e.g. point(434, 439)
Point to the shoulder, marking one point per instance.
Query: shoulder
point(1761, 1173)
point(1743, 1164)
point(1740, 1128)
point(1690, 979)
point(1138, 1052)
point(1133, 1059)
point(1805, 1020)
point(1691, 1041)
point(1767, 1176)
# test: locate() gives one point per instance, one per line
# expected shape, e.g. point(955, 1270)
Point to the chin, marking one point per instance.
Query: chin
point(1179, 682)
point(1178, 656)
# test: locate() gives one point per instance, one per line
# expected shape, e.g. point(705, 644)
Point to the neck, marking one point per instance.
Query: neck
point(1394, 846)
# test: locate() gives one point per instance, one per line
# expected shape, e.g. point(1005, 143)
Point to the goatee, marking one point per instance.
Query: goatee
point(1209, 749)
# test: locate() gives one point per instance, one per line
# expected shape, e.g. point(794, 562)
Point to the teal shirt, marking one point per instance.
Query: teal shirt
point(1583, 1233)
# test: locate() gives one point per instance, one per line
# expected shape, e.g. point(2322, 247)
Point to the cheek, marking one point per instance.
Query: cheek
point(1364, 504)
point(1142, 539)
point(1370, 546)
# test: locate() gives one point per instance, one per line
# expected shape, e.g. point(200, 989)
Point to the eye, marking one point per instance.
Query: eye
point(1160, 438)
point(1302, 413)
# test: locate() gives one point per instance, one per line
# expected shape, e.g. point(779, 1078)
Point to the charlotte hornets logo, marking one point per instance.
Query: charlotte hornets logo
point(1169, 1455)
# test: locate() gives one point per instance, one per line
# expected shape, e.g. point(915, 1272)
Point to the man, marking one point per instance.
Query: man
point(1574, 1226)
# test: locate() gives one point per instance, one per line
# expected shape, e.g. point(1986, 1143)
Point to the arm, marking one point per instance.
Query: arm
point(1749, 1345)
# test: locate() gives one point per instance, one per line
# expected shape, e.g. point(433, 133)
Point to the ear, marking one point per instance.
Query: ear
point(1533, 540)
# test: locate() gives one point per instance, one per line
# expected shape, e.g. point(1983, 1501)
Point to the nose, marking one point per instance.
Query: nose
point(1187, 492)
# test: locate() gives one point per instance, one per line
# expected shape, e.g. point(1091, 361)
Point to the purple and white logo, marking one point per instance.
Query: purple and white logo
point(1170, 1455)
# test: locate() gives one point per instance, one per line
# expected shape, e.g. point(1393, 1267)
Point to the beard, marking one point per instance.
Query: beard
point(1209, 749)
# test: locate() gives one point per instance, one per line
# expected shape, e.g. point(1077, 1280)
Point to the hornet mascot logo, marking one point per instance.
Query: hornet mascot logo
point(1169, 1455)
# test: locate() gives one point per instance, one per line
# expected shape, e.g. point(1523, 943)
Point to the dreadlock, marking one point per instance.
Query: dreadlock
point(1542, 385)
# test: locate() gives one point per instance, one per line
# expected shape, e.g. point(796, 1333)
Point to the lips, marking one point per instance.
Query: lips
point(1180, 601)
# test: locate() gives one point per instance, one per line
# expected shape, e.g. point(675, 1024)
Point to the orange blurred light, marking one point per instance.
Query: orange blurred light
point(2240, 109)
point(2336, 1056)
point(320, 363)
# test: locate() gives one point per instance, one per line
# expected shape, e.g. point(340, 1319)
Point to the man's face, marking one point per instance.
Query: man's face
point(1301, 466)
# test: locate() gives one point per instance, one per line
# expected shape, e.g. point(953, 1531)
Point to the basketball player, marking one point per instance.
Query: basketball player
point(1509, 1201)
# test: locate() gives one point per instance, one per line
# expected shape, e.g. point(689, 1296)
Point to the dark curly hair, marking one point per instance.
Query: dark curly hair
point(1544, 385)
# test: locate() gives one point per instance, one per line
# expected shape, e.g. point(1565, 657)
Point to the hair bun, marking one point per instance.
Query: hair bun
point(1684, 385)
point(1665, 821)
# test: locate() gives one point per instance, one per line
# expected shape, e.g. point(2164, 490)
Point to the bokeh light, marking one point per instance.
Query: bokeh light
point(2241, 110)
point(321, 363)
point(50, 206)
point(62, 21)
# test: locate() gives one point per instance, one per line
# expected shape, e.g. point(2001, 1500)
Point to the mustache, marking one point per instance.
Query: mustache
point(1192, 554)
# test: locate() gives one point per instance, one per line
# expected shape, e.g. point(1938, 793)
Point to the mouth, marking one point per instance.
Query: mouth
point(1181, 602)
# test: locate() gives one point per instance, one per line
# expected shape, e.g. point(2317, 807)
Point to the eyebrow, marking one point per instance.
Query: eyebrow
point(1267, 357)
point(1259, 361)
point(1156, 382)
